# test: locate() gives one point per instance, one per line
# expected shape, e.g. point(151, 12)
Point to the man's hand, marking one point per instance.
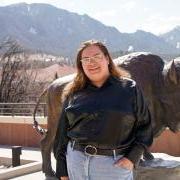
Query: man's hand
point(64, 178)
point(125, 163)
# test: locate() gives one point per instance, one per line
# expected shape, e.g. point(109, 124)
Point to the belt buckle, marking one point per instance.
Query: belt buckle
point(90, 150)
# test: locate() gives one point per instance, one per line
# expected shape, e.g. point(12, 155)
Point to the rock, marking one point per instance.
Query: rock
point(164, 167)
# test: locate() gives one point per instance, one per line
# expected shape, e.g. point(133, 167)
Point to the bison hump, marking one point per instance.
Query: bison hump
point(145, 68)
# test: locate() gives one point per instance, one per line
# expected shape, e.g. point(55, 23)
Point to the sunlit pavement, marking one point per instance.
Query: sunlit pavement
point(35, 154)
point(27, 153)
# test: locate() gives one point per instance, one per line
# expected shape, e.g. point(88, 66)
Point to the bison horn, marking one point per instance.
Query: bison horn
point(171, 74)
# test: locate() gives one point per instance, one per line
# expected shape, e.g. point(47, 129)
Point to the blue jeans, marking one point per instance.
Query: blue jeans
point(97, 167)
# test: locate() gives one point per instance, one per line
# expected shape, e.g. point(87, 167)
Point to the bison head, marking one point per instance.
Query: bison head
point(171, 95)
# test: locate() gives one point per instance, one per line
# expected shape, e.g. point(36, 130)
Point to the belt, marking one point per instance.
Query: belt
point(93, 150)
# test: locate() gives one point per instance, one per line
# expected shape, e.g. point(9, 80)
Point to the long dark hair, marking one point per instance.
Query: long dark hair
point(81, 79)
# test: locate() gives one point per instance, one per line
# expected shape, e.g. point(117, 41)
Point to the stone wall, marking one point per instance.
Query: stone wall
point(19, 131)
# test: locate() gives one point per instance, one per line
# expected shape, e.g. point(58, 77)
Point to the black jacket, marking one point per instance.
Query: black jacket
point(112, 116)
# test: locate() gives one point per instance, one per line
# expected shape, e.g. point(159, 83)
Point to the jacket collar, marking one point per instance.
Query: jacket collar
point(109, 81)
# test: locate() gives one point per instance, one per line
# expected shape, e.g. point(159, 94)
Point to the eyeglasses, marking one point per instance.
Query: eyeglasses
point(97, 58)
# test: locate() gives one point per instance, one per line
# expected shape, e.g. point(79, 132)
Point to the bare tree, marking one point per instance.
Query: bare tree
point(15, 76)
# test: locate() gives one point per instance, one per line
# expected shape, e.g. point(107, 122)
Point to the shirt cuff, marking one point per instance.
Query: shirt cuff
point(135, 154)
point(61, 168)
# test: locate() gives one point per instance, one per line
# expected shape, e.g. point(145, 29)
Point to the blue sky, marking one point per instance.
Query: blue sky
point(156, 16)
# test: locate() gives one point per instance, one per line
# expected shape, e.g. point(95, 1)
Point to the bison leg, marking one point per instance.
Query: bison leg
point(148, 155)
point(46, 146)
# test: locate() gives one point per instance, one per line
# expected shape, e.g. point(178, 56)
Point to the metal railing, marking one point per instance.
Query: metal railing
point(22, 109)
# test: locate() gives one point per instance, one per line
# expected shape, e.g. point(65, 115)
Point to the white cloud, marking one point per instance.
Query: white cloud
point(129, 6)
point(105, 14)
point(68, 5)
point(55, 2)
point(4, 2)
point(146, 9)
point(159, 24)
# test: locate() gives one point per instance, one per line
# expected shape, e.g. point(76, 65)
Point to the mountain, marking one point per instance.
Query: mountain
point(145, 41)
point(46, 28)
point(173, 37)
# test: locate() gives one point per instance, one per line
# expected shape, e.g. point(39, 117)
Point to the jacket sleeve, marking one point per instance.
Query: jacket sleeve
point(143, 129)
point(60, 144)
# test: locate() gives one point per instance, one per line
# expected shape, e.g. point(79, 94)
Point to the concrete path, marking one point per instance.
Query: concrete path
point(27, 153)
point(35, 154)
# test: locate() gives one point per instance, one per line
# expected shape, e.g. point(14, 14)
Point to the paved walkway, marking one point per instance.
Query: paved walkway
point(35, 154)
point(27, 153)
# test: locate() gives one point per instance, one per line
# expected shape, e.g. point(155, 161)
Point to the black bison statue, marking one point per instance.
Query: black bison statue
point(159, 82)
